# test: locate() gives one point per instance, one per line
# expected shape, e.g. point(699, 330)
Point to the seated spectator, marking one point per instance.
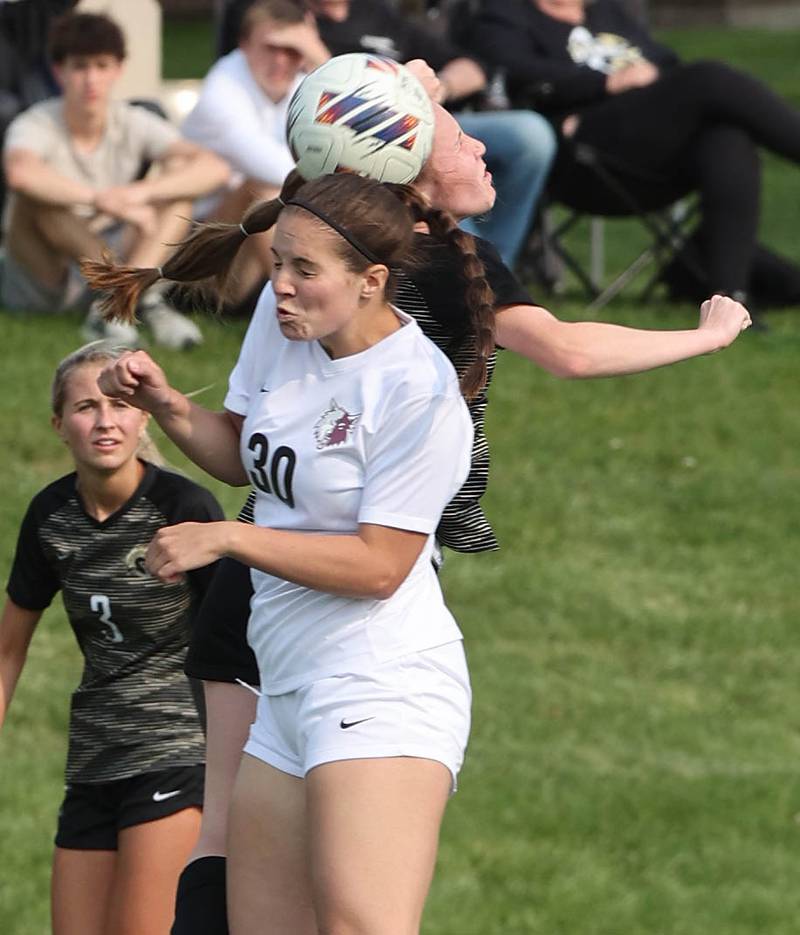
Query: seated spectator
point(519, 144)
point(73, 164)
point(241, 115)
point(667, 127)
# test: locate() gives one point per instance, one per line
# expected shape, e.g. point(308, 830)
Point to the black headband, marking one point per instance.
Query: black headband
point(353, 241)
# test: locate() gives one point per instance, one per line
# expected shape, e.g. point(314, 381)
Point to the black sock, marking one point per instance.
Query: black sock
point(200, 904)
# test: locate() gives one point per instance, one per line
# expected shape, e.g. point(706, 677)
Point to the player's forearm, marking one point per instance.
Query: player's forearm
point(16, 629)
point(209, 439)
point(340, 564)
point(599, 349)
point(575, 350)
point(10, 669)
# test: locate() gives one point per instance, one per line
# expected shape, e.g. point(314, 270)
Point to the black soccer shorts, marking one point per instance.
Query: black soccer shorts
point(218, 650)
point(93, 813)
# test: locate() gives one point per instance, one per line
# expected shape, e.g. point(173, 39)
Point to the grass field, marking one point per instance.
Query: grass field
point(634, 760)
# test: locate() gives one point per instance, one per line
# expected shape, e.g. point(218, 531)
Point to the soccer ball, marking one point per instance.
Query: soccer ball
point(360, 113)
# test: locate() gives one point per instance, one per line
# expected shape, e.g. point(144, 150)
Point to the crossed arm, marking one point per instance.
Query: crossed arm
point(187, 172)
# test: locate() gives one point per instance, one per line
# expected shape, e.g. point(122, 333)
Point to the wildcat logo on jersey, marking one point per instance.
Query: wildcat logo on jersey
point(335, 426)
point(134, 560)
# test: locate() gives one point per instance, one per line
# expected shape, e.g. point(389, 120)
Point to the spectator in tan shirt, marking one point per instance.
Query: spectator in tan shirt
point(74, 166)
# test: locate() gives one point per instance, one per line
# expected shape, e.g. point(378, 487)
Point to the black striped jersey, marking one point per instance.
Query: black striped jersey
point(434, 295)
point(134, 710)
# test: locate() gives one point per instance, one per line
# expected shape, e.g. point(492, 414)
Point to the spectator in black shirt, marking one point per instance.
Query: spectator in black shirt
point(667, 127)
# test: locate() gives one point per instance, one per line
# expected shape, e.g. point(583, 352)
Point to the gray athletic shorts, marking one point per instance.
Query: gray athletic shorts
point(20, 292)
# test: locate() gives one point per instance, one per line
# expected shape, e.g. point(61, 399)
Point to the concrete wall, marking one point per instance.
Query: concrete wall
point(141, 22)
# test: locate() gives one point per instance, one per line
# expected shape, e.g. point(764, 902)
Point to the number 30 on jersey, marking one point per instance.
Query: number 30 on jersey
point(280, 467)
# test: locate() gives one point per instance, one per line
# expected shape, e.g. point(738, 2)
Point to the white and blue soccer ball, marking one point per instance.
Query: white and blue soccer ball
point(360, 113)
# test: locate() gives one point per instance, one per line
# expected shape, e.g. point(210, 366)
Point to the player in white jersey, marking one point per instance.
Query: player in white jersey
point(353, 429)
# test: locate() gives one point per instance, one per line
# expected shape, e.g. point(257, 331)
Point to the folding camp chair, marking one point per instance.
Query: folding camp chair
point(666, 218)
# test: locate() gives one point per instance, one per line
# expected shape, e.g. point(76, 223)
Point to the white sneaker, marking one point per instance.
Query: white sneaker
point(169, 327)
point(118, 333)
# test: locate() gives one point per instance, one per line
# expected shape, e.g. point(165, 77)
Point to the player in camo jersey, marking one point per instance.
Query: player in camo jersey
point(131, 810)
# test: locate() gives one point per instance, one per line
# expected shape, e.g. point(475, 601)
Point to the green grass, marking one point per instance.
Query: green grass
point(633, 759)
point(633, 764)
point(188, 46)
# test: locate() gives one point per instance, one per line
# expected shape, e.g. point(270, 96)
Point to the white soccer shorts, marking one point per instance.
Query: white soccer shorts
point(418, 705)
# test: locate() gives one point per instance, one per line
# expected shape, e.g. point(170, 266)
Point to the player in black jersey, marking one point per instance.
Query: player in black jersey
point(134, 771)
point(453, 179)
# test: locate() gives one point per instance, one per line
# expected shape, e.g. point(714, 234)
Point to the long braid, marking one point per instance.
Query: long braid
point(479, 296)
point(205, 256)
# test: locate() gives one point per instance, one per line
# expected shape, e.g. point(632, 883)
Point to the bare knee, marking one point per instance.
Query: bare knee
point(354, 926)
point(338, 915)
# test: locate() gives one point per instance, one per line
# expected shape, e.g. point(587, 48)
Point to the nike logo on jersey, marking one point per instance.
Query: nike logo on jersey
point(346, 724)
point(264, 389)
point(160, 796)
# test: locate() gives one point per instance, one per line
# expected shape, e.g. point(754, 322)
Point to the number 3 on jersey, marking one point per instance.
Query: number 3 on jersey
point(100, 604)
point(281, 468)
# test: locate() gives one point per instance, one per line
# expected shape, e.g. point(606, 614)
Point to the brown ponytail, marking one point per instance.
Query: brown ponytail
point(480, 298)
point(204, 257)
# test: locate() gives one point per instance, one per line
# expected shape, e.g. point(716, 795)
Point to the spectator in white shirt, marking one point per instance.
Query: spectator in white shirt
point(241, 115)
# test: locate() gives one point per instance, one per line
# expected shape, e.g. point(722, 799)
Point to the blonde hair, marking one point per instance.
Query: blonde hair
point(97, 352)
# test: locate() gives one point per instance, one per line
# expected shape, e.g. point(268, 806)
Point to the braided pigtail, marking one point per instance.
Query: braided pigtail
point(479, 296)
point(204, 257)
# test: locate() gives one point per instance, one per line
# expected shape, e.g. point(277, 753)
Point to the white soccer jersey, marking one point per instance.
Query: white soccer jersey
point(381, 437)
